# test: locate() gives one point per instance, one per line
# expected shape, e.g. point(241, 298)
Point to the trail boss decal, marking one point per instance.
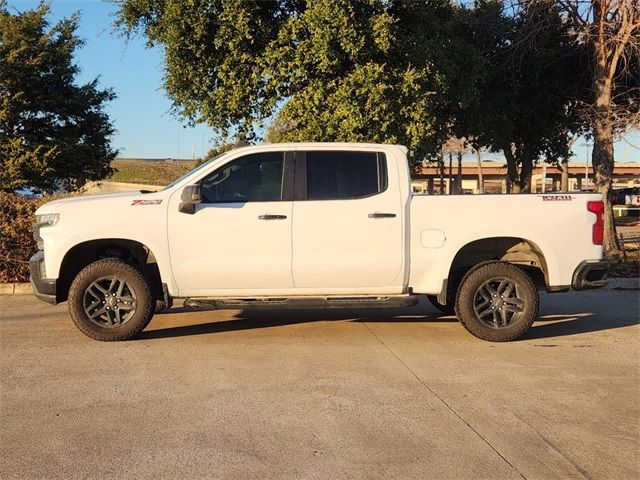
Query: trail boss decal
point(145, 202)
point(557, 198)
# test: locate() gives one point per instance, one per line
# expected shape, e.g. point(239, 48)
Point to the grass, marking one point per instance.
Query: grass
point(149, 172)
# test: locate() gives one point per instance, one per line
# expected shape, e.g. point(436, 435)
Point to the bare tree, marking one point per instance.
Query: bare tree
point(611, 30)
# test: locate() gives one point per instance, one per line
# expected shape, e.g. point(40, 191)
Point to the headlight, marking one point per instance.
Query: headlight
point(46, 220)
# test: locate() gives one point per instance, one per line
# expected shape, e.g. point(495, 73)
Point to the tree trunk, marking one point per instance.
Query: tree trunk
point(603, 171)
point(480, 180)
point(526, 171)
point(513, 179)
point(459, 174)
point(564, 175)
point(602, 157)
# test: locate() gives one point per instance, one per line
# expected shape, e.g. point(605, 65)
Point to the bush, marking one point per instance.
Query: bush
point(16, 235)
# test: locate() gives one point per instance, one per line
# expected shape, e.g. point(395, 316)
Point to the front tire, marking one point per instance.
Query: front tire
point(110, 300)
point(497, 302)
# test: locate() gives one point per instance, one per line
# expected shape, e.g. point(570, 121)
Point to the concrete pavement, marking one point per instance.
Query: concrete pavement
point(323, 394)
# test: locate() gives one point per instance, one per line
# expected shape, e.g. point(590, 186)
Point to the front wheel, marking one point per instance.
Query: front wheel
point(497, 302)
point(110, 300)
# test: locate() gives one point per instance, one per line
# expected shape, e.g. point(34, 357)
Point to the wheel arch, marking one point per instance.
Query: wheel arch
point(515, 250)
point(132, 252)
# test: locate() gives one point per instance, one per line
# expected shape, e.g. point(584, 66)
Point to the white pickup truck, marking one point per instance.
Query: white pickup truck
point(313, 225)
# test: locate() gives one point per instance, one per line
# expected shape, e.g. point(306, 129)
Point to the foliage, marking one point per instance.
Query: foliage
point(533, 79)
point(16, 235)
point(54, 133)
point(330, 70)
point(219, 149)
point(213, 55)
point(150, 172)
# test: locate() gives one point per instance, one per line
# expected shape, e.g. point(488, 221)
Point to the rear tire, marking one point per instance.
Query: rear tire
point(497, 302)
point(109, 300)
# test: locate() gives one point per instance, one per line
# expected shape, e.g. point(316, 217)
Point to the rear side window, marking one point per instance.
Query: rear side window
point(254, 178)
point(343, 175)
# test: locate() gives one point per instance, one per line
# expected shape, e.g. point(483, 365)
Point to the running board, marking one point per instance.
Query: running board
point(392, 301)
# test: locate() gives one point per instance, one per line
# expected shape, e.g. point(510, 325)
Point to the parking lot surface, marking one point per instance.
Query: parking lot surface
point(323, 394)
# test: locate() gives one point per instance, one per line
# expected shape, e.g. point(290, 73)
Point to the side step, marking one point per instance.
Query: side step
point(391, 301)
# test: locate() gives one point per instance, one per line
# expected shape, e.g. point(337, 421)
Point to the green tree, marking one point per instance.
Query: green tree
point(326, 70)
point(533, 78)
point(213, 55)
point(54, 133)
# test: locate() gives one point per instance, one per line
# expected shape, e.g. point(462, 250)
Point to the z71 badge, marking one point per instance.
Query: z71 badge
point(557, 198)
point(146, 202)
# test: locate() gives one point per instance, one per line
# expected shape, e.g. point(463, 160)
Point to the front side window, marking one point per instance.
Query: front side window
point(343, 175)
point(254, 178)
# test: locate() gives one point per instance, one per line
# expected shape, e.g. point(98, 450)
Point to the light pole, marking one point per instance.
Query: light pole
point(586, 163)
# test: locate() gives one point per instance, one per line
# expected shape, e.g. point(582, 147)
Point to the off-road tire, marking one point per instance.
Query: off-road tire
point(448, 309)
point(144, 309)
point(467, 294)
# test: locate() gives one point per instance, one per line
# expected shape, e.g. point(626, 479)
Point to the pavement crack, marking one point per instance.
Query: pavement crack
point(580, 470)
point(442, 400)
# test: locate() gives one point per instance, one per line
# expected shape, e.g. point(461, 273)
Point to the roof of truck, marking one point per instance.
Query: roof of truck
point(350, 145)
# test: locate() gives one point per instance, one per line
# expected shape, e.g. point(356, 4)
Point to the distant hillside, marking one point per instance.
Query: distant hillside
point(149, 171)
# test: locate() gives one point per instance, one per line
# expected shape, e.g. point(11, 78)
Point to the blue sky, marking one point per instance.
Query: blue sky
point(145, 127)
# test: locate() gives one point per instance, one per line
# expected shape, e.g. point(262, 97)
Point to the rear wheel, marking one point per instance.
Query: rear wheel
point(497, 302)
point(110, 300)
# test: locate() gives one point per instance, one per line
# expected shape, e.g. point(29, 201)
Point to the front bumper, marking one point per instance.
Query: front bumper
point(44, 289)
point(591, 274)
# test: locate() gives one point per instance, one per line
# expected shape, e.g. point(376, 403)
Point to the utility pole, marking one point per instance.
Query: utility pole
point(480, 179)
point(450, 192)
point(586, 163)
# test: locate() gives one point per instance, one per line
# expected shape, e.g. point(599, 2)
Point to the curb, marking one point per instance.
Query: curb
point(614, 284)
point(623, 284)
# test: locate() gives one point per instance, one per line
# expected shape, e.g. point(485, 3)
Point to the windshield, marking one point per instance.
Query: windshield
point(190, 172)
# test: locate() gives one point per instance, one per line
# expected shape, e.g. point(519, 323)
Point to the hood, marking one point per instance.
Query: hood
point(120, 198)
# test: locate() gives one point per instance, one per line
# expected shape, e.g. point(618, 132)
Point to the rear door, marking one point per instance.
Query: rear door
point(347, 223)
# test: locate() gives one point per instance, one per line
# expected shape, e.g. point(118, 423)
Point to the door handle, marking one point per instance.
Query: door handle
point(382, 215)
point(272, 217)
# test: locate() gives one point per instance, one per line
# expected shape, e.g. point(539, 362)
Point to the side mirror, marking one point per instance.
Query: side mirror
point(189, 198)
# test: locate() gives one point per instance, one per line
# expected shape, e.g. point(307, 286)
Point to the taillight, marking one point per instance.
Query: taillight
point(598, 227)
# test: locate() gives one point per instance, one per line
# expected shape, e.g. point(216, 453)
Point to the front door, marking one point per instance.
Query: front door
point(347, 224)
point(238, 241)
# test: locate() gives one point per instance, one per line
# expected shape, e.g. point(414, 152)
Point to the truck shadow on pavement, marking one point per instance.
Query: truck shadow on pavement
point(553, 322)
